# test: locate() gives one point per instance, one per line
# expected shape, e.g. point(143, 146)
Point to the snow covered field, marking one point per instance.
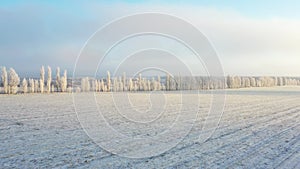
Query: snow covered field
point(259, 129)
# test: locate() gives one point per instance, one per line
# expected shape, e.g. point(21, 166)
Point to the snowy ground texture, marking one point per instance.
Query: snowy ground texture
point(259, 129)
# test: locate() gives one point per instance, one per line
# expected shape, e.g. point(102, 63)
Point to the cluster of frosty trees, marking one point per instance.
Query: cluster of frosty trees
point(243, 82)
point(171, 83)
point(11, 83)
point(118, 84)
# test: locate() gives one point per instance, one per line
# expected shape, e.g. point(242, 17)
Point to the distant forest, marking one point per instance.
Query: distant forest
point(12, 84)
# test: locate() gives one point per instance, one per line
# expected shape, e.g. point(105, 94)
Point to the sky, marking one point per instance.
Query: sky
point(252, 38)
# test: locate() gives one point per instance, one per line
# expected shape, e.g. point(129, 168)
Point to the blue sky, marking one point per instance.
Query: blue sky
point(253, 8)
point(252, 37)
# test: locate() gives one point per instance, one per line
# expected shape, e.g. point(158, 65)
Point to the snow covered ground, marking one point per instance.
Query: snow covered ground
point(259, 129)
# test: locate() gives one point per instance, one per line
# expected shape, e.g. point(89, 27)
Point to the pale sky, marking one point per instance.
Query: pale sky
point(251, 38)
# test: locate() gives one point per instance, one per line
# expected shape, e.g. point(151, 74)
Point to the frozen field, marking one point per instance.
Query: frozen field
point(259, 129)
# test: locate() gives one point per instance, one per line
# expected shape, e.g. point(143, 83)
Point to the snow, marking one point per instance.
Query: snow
point(259, 129)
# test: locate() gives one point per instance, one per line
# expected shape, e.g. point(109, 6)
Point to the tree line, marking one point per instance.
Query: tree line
point(12, 84)
point(10, 81)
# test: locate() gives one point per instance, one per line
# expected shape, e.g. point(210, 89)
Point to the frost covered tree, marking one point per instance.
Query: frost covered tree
point(275, 81)
point(102, 86)
point(121, 85)
point(93, 87)
point(135, 86)
point(25, 86)
point(77, 90)
point(178, 82)
point(153, 84)
point(99, 86)
point(4, 80)
point(247, 82)
point(64, 82)
point(148, 85)
point(42, 79)
point(140, 82)
point(58, 79)
point(280, 81)
point(243, 82)
point(258, 83)
point(267, 81)
point(115, 85)
point(144, 84)
point(49, 79)
point(36, 86)
point(158, 83)
point(108, 80)
point(88, 86)
point(124, 81)
point(41, 86)
point(52, 88)
point(130, 85)
point(96, 85)
point(31, 84)
point(69, 89)
point(252, 82)
point(168, 82)
point(237, 82)
point(13, 81)
point(85, 84)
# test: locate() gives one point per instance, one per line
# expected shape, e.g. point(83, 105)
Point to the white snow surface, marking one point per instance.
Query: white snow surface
point(259, 129)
